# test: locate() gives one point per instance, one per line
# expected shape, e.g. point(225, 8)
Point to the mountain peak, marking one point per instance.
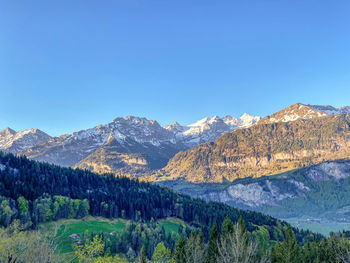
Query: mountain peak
point(7, 131)
point(292, 113)
point(16, 142)
point(303, 111)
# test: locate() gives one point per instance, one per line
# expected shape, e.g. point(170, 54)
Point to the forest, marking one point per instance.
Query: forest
point(38, 192)
point(34, 193)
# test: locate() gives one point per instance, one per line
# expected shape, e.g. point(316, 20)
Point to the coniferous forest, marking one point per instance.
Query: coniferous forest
point(33, 193)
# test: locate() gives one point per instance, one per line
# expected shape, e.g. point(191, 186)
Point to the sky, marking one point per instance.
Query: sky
point(70, 65)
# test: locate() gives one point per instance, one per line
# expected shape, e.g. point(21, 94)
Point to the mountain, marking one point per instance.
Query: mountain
point(318, 191)
point(303, 111)
point(271, 146)
point(130, 145)
point(209, 128)
point(124, 141)
point(315, 197)
point(17, 142)
point(49, 189)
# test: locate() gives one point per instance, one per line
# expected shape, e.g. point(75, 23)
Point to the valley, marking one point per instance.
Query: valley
point(290, 164)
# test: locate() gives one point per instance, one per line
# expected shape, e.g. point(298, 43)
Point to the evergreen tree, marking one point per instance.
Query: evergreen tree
point(212, 250)
point(179, 255)
point(287, 251)
point(227, 226)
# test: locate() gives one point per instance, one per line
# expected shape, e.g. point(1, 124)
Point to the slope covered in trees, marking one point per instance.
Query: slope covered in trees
point(263, 149)
point(37, 192)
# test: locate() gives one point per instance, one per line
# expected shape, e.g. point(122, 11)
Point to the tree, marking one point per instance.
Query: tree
point(195, 251)
point(83, 209)
point(227, 226)
point(6, 213)
point(161, 253)
point(179, 255)
point(23, 209)
point(26, 246)
point(212, 251)
point(287, 251)
point(90, 249)
point(237, 246)
point(142, 258)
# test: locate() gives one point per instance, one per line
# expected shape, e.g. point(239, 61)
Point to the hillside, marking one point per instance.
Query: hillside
point(316, 191)
point(51, 192)
point(263, 149)
point(316, 196)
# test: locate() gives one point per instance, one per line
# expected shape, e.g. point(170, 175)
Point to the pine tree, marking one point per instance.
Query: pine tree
point(179, 255)
point(227, 226)
point(212, 251)
point(287, 251)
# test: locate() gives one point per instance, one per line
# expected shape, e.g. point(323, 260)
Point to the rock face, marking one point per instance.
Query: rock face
point(17, 142)
point(129, 145)
point(106, 148)
point(266, 148)
point(291, 193)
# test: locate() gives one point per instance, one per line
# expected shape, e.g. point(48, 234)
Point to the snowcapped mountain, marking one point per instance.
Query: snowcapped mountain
point(16, 142)
point(303, 111)
point(128, 135)
point(304, 135)
point(131, 143)
point(134, 143)
point(209, 128)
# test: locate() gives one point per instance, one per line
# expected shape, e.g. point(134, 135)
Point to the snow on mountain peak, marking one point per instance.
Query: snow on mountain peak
point(15, 142)
point(209, 128)
point(303, 111)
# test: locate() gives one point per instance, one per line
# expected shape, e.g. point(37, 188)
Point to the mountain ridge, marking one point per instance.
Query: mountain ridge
point(131, 144)
point(265, 148)
point(136, 146)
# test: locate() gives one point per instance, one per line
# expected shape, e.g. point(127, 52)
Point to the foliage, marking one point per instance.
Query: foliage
point(287, 251)
point(179, 255)
point(161, 253)
point(212, 251)
point(90, 249)
point(27, 247)
point(54, 192)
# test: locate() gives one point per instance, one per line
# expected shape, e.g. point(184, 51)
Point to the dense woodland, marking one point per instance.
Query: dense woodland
point(35, 192)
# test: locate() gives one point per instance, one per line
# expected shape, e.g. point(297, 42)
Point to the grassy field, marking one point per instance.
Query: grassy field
point(171, 224)
point(66, 227)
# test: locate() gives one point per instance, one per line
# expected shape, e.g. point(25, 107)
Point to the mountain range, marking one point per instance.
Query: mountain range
point(297, 136)
point(126, 145)
point(292, 163)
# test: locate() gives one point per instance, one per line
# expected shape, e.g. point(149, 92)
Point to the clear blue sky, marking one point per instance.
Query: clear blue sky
point(72, 64)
